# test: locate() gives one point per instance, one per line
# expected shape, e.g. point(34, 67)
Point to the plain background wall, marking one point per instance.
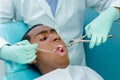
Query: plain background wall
point(105, 59)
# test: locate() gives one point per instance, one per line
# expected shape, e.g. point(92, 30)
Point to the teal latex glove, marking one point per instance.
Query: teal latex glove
point(99, 28)
point(22, 52)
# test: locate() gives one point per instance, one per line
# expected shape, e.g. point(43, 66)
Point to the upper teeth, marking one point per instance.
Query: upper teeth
point(60, 47)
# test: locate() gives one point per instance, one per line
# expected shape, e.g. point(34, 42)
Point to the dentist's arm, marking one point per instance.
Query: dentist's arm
point(99, 28)
point(22, 52)
point(7, 11)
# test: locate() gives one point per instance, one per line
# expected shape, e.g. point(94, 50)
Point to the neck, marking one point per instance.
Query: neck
point(44, 69)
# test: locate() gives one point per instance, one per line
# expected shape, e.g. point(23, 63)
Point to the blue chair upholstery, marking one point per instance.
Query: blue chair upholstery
point(28, 74)
point(105, 59)
point(13, 32)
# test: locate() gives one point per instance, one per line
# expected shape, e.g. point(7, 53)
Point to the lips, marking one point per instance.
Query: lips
point(60, 50)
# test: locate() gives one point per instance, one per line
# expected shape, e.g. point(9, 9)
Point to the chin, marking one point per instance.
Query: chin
point(64, 64)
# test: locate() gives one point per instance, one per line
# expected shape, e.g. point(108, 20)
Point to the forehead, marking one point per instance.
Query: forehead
point(38, 29)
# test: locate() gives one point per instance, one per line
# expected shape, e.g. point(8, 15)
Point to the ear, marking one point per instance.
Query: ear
point(33, 62)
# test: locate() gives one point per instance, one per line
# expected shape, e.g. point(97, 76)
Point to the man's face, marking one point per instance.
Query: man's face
point(48, 39)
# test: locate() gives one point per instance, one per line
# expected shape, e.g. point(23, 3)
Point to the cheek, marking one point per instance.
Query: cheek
point(52, 60)
point(45, 45)
point(34, 41)
point(45, 58)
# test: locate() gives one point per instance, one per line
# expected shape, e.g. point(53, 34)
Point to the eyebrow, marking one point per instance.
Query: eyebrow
point(45, 31)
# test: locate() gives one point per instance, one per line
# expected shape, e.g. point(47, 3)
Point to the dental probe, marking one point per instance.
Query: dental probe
point(46, 50)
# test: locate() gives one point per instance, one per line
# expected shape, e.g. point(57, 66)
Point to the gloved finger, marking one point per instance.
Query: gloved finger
point(87, 28)
point(24, 42)
point(104, 39)
point(92, 42)
point(31, 47)
point(98, 40)
point(30, 53)
point(88, 33)
point(30, 59)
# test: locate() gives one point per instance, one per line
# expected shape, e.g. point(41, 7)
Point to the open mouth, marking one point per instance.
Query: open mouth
point(60, 50)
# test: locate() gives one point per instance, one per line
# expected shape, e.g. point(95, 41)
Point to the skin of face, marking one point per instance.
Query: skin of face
point(49, 40)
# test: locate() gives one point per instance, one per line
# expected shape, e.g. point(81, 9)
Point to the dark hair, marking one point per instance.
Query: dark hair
point(27, 37)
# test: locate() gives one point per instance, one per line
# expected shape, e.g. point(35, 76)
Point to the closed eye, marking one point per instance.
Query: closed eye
point(43, 39)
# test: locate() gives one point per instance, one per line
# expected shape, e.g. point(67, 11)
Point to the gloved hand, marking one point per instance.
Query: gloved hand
point(99, 28)
point(22, 52)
